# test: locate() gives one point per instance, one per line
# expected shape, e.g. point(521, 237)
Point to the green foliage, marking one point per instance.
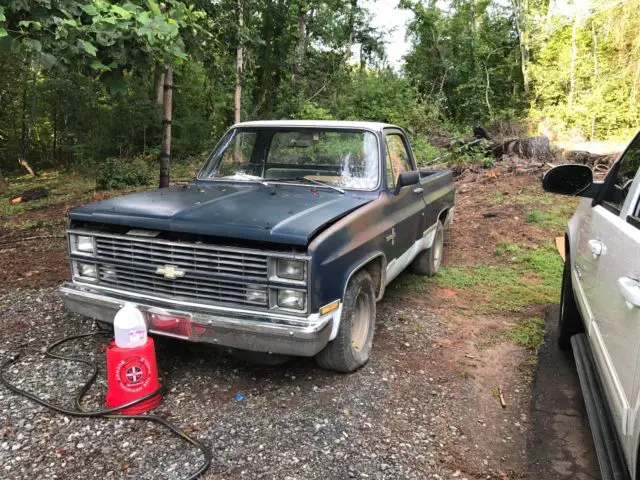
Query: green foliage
point(100, 35)
point(465, 59)
point(311, 111)
point(119, 173)
point(425, 153)
point(590, 91)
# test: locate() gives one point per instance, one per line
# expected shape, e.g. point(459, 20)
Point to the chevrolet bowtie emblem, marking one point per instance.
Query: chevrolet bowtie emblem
point(170, 272)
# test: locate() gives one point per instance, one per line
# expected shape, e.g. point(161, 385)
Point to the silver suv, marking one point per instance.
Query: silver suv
point(600, 303)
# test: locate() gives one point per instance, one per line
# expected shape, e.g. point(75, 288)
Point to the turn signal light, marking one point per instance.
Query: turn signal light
point(330, 307)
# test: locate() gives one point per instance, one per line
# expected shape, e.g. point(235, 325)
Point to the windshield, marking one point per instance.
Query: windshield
point(339, 158)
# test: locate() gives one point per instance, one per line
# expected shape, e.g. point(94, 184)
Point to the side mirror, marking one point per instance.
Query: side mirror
point(569, 180)
point(405, 179)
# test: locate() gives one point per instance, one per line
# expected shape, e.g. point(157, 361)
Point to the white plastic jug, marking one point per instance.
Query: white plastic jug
point(129, 327)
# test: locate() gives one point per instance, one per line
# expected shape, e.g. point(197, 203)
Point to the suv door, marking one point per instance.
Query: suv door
point(608, 268)
point(405, 209)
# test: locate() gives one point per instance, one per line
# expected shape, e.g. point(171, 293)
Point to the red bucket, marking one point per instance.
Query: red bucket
point(132, 373)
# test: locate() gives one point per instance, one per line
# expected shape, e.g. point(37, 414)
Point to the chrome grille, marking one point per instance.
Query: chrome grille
point(212, 274)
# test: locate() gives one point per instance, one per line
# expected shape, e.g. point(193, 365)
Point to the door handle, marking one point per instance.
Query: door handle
point(597, 247)
point(630, 290)
point(418, 190)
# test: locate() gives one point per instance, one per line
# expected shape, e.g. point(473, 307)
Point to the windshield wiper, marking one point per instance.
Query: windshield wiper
point(312, 180)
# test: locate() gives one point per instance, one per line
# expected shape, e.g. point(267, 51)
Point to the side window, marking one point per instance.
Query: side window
point(396, 158)
point(620, 185)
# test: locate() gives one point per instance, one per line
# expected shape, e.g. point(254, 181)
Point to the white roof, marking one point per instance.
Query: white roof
point(377, 126)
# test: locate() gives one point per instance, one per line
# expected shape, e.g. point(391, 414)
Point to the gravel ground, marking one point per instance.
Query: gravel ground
point(398, 417)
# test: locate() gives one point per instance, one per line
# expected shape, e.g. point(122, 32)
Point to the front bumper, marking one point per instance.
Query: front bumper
point(256, 331)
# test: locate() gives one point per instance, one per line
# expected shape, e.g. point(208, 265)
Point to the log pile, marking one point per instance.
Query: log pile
point(506, 146)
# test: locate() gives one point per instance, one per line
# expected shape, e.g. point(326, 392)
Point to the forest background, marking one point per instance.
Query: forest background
point(82, 82)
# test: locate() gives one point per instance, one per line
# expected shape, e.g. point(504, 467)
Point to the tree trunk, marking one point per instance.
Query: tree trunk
point(24, 142)
point(521, 8)
point(4, 188)
point(574, 54)
point(237, 98)
point(159, 87)
point(301, 48)
point(165, 153)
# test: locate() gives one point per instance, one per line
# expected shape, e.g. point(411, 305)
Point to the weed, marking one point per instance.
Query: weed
point(499, 198)
point(529, 334)
point(6, 209)
point(506, 248)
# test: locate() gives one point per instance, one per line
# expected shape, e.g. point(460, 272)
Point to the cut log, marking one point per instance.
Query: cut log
point(588, 158)
point(533, 147)
point(29, 195)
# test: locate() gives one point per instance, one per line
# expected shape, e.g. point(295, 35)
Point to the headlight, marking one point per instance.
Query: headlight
point(293, 299)
point(290, 269)
point(87, 270)
point(84, 244)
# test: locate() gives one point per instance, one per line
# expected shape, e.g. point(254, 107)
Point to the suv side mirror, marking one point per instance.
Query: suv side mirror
point(405, 179)
point(569, 180)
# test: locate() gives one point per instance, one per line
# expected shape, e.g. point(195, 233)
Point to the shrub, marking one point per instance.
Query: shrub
point(116, 173)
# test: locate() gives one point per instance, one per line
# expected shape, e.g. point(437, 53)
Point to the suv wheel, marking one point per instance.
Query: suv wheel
point(352, 346)
point(428, 261)
point(570, 322)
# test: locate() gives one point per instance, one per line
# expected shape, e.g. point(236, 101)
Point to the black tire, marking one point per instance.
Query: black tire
point(428, 261)
point(352, 346)
point(105, 326)
point(569, 322)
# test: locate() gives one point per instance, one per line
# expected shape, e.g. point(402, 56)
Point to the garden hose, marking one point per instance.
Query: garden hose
point(108, 412)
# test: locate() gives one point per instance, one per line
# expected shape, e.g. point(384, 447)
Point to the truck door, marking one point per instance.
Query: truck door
point(405, 208)
point(608, 262)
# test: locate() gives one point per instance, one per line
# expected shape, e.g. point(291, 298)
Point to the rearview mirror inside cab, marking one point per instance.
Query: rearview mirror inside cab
point(569, 180)
point(407, 178)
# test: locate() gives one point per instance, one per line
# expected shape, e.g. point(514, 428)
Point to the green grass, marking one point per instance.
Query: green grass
point(554, 219)
point(532, 277)
point(529, 334)
point(62, 188)
point(506, 248)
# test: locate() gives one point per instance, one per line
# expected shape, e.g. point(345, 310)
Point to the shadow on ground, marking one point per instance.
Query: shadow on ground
point(560, 445)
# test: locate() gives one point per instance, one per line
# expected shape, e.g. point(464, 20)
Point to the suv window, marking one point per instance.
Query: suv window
point(396, 158)
point(624, 173)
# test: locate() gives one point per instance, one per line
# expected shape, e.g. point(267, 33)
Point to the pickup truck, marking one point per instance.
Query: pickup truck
point(600, 304)
point(282, 244)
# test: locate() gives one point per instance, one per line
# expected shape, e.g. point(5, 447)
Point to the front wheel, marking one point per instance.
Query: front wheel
point(352, 346)
point(569, 322)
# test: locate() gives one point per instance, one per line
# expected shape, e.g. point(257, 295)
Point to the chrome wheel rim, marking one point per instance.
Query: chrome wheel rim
point(360, 323)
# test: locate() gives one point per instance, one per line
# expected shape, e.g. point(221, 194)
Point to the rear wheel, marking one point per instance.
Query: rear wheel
point(569, 322)
point(352, 346)
point(428, 261)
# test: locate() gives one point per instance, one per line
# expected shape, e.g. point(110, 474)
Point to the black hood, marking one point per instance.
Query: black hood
point(285, 214)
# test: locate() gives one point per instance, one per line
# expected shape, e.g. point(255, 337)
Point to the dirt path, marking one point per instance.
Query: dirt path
point(560, 442)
